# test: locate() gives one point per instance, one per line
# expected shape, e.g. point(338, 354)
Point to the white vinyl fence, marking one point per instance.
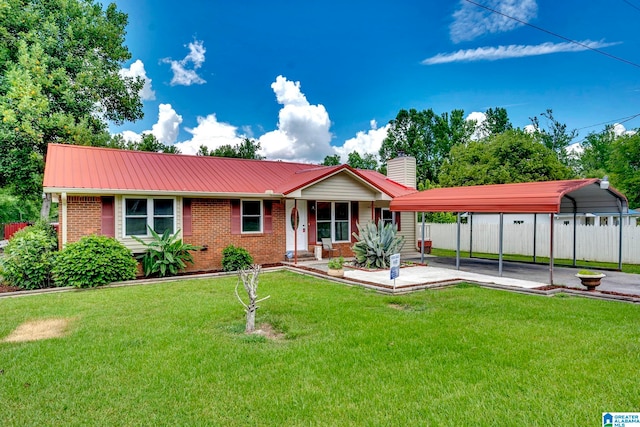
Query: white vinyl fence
point(593, 243)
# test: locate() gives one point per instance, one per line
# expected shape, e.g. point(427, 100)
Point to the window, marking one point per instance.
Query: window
point(387, 216)
point(251, 216)
point(333, 221)
point(159, 214)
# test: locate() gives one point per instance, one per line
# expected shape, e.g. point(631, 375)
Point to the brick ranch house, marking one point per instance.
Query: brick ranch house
point(266, 207)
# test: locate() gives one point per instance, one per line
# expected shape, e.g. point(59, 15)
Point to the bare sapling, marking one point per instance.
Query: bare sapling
point(249, 278)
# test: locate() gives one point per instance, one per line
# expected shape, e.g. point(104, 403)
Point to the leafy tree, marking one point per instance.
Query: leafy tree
point(555, 136)
point(512, 156)
point(369, 161)
point(426, 136)
point(331, 160)
point(14, 209)
point(596, 152)
point(247, 149)
point(624, 165)
point(59, 82)
point(497, 121)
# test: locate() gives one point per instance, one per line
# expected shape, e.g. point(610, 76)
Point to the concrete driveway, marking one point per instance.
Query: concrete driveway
point(615, 281)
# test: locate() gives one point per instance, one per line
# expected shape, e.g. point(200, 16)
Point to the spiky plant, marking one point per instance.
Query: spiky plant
point(376, 243)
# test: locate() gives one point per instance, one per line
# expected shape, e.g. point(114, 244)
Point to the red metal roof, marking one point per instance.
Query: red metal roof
point(74, 168)
point(583, 195)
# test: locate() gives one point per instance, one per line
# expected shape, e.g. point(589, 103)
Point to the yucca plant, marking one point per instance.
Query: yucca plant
point(376, 243)
point(166, 255)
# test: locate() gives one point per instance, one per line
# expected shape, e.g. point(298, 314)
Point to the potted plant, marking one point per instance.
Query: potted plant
point(590, 279)
point(335, 266)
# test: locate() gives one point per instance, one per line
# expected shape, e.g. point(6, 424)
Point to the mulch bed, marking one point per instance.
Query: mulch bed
point(6, 288)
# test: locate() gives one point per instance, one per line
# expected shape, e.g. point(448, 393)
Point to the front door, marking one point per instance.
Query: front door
point(301, 221)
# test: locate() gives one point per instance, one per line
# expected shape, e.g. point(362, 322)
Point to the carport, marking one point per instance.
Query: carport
point(547, 197)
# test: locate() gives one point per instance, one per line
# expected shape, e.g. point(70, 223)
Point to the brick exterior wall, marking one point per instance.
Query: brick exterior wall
point(84, 217)
point(211, 226)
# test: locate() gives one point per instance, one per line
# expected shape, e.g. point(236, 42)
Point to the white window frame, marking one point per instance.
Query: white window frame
point(386, 220)
point(333, 220)
point(261, 216)
point(150, 216)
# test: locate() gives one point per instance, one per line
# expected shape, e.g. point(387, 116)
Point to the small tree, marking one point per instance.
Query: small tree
point(249, 278)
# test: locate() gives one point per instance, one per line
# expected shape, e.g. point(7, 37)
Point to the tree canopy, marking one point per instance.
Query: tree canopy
point(247, 149)
point(59, 82)
point(426, 136)
point(624, 166)
point(511, 156)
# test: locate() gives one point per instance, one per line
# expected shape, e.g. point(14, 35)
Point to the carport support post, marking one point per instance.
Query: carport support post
point(500, 244)
point(551, 250)
point(458, 243)
point(422, 243)
point(535, 228)
point(620, 238)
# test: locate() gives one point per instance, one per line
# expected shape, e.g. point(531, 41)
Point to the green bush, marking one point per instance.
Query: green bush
point(166, 255)
point(234, 258)
point(29, 257)
point(93, 261)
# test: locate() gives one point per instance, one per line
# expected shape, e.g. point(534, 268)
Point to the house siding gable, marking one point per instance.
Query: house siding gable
point(339, 187)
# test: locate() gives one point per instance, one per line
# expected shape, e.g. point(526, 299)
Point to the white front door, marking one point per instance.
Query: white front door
point(301, 220)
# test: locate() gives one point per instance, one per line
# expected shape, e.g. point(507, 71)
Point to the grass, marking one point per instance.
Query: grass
point(560, 262)
point(174, 354)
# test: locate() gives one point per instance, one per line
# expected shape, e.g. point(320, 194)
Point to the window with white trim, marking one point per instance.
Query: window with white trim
point(387, 216)
point(159, 214)
point(251, 214)
point(333, 221)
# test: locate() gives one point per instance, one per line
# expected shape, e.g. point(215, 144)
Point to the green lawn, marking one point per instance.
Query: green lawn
point(559, 262)
point(174, 354)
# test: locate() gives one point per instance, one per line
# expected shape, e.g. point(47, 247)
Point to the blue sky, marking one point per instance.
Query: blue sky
point(310, 79)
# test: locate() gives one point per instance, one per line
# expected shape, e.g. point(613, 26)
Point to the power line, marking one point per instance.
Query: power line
point(619, 121)
point(631, 4)
point(554, 34)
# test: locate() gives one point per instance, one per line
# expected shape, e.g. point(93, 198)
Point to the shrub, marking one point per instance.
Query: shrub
point(235, 258)
point(29, 257)
point(94, 261)
point(166, 255)
point(336, 263)
point(375, 244)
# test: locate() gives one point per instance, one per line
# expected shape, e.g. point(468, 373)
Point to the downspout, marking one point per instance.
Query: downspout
point(63, 232)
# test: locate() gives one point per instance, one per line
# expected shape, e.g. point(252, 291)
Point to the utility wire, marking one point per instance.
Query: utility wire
point(631, 4)
point(620, 121)
point(554, 34)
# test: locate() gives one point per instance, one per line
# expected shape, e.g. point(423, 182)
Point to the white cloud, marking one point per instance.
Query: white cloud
point(136, 69)
point(512, 51)
point(303, 129)
point(168, 126)
point(619, 130)
point(530, 129)
point(471, 21)
point(364, 142)
point(185, 70)
point(211, 133)
point(131, 136)
point(479, 132)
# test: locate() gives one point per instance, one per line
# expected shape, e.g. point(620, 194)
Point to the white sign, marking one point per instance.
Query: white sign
point(395, 265)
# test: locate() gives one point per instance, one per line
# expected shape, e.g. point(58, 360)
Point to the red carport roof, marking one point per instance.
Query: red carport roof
point(579, 195)
point(81, 169)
